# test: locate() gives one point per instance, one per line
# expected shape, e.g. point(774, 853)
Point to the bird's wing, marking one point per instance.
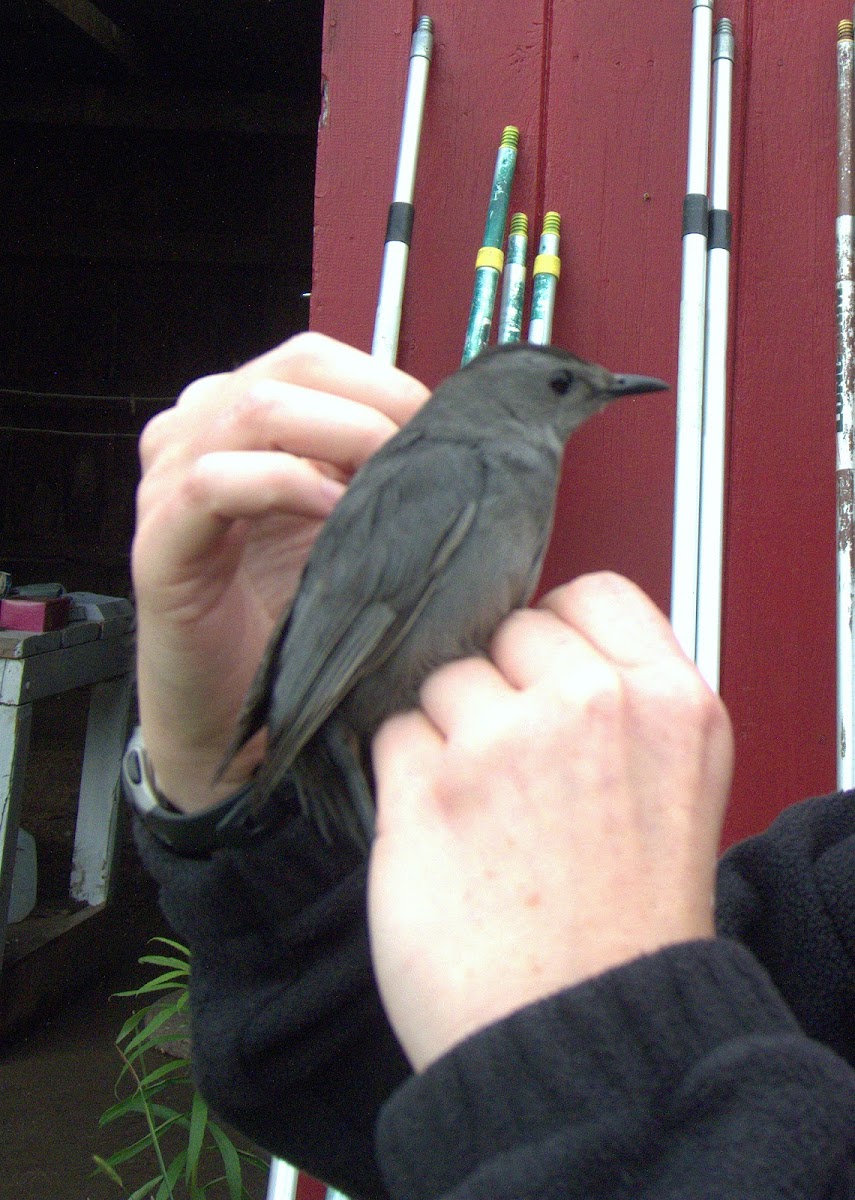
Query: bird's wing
point(253, 713)
point(371, 572)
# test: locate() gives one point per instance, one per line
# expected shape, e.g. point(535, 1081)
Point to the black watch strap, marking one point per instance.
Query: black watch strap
point(231, 822)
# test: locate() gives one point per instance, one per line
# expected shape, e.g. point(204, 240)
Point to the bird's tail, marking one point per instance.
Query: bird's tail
point(334, 787)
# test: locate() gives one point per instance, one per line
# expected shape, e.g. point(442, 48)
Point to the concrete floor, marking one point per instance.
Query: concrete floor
point(59, 1066)
point(58, 1073)
point(55, 1080)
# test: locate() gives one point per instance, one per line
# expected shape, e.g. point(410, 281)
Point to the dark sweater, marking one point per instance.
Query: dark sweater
point(693, 1072)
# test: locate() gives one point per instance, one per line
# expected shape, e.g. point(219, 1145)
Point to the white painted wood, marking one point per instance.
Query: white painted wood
point(97, 650)
point(15, 724)
point(99, 800)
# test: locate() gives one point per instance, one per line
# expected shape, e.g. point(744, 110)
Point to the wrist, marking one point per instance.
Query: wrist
point(187, 776)
point(185, 755)
point(188, 720)
point(231, 822)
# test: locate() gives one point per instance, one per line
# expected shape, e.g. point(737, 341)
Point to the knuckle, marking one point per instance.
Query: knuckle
point(713, 714)
point(155, 436)
point(510, 629)
point(246, 410)
point(483, 753)
point(201, 390)
point(603, 581)
point(305, 351)
point(480, 740)
point(684, 695)
point(195, 486)
point(597, 692)
point(590, 587)
point(696, 695)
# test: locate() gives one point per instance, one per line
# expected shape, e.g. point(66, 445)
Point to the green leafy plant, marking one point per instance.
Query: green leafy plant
point(194, 1157)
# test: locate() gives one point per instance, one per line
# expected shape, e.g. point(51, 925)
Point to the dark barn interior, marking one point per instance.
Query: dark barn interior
point(155, 225)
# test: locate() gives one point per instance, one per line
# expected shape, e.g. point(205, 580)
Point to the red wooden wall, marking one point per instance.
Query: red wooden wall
point(600, 93)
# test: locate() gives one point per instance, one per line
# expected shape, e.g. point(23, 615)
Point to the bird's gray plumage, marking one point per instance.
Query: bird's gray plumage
point(438, 537)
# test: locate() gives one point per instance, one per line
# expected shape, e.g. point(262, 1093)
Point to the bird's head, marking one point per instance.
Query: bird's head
point(547, 386)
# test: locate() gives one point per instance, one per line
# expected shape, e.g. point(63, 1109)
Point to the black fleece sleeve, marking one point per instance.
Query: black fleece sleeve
point(680, 1075)
point(290, 1042)
point(789, 896)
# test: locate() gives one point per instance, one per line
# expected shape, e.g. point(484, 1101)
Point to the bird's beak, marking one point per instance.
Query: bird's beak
point(626, 385)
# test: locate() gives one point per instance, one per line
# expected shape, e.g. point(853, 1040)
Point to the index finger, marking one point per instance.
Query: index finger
point(315, 361)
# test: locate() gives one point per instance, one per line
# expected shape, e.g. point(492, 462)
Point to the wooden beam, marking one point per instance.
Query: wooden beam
point(91, 21)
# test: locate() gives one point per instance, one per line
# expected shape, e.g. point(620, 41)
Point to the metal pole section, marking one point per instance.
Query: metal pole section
point(711, 532)
point(845, 299)
point(387, 322)
point(283, 1178)
point(490, 258)
point(690, 369)
point(513, 282)
point(282, 1181)
point(544, 281)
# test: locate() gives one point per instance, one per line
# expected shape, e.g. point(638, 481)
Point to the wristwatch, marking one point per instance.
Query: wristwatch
point(231, 822)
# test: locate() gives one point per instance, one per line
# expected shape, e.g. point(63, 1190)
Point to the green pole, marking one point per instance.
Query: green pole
point(490, 259)
point(513, 284)
point(544, 281)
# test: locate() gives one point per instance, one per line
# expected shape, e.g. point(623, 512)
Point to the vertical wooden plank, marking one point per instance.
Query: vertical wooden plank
point(779, 652)
point(310, 1189)
point(600, 92)
point(595, 90)
point(485, 74)
point(489, 74)
point(356, 158)
point(615, 150)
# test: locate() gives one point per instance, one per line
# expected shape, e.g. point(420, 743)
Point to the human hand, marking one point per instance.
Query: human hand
point(545, 815)
point(237, 480)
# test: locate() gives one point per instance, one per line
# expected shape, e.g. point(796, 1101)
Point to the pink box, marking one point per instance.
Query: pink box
point(34, 616)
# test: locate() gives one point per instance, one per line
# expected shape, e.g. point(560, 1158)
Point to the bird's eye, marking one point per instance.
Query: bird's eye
point(561, 383)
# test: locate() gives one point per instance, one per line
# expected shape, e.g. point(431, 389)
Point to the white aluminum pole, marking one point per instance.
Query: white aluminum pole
point(845, 403)
point(396, 253)
point(690, 367)
point(711, 534)
point(282, 1180)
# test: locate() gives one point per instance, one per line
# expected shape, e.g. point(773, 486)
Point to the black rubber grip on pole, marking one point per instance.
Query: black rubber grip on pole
point(695, 214)
point(720, 227)
point(399, 227)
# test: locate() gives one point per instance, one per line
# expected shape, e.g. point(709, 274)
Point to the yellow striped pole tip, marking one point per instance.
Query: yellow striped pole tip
point(547, 264)
point(490, 256)
point(519, 225)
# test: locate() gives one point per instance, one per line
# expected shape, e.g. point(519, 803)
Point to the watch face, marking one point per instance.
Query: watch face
point(231, 822)
point(136, 777)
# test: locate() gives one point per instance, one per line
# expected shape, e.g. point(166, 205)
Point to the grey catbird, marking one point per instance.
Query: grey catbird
point(438, 537)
